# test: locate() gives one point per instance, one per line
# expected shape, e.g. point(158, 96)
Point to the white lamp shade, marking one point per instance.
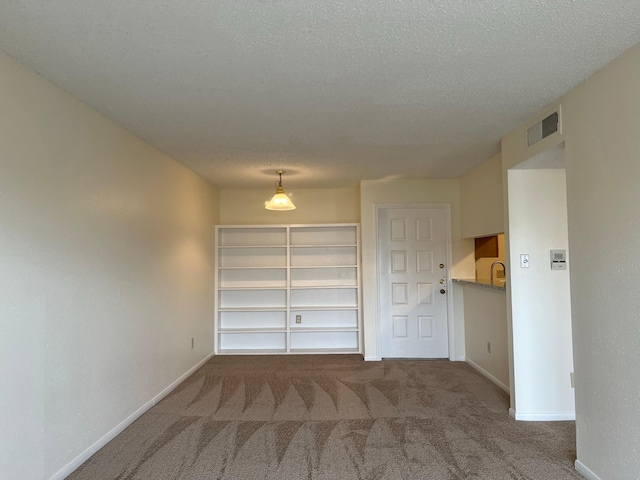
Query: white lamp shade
point(280, 201)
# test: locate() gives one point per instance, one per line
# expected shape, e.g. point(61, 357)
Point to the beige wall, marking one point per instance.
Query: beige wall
point(481, 200)
point(541, 297)
point(485, 321)
point(107, 274)
point(601, 121)
point(408, 191)
point(329, 205)
point(485, 316)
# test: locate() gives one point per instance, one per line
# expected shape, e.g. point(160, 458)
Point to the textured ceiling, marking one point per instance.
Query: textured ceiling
point(331, 91)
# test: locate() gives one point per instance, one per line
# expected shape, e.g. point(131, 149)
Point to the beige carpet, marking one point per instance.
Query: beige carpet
point(335, 417)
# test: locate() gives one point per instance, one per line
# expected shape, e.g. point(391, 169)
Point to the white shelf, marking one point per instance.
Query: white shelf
point(294, 267)
point(310, 351)
point(253, 268)
point(237, 289)
point(267, 275)
point(332, 320)
point(252, 330)
point(321, 245)
point(231, 247)
point(323, 307)
point(251, 236)
point(252, 309)
point(251, 351)
point(320, 287)
point(324, 340)
point(323, 256)
point(324, 329)
point(336, 234)
point(252, 339)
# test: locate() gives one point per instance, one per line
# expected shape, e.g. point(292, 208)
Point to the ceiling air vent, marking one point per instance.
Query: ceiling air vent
point(543, 129)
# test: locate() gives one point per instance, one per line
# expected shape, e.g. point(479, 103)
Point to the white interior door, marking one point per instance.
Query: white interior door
point(413, 297)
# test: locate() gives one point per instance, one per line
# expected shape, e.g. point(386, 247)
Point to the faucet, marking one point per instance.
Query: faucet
point(504, 269)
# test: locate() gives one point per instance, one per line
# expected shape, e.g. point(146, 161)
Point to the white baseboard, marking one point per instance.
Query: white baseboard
point(543, 417)
point(118, 429)
point(512, 413)
point(372, 359)
point(585, 472)
point(488, 376)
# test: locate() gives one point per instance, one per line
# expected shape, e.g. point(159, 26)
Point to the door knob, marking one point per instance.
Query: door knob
point(442, 281)
point(442, 265)
point(442, 291)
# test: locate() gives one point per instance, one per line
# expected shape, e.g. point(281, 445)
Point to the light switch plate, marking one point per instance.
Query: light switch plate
point(524, 260)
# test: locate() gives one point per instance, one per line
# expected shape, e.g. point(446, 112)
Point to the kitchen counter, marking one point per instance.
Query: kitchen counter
point(499, 284)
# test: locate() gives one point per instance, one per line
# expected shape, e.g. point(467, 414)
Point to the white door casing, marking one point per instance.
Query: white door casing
point(413, 284)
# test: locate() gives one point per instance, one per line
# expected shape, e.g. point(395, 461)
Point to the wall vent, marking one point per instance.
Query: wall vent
point(543, 129)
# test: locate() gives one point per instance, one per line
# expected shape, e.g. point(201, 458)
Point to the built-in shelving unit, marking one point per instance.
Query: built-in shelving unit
point(269, 276)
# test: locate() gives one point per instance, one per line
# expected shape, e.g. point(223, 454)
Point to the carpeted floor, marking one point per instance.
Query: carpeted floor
point(335, 417)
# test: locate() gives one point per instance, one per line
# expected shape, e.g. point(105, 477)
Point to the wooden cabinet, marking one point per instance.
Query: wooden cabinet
point(288, 289)
point(486, 247)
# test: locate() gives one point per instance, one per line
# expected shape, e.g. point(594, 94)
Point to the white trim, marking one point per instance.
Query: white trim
point(372, 359)
point(544, 417)
point(512, 413)
point(448, 262)
point(488, 376)
point(376, 276)
point(115, 431)
point(586, 472)
point(449, 269)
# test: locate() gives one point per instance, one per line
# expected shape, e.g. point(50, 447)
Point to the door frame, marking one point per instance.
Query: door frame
point(448, 264)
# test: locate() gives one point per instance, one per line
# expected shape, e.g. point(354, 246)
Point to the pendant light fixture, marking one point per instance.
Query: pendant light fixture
point(280, 201)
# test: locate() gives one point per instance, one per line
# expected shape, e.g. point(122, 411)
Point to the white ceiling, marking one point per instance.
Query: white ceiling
point(331, 91)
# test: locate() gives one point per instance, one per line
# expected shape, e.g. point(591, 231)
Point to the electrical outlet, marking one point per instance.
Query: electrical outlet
point(488, 347)
point(298, 318)
point(192, 343)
